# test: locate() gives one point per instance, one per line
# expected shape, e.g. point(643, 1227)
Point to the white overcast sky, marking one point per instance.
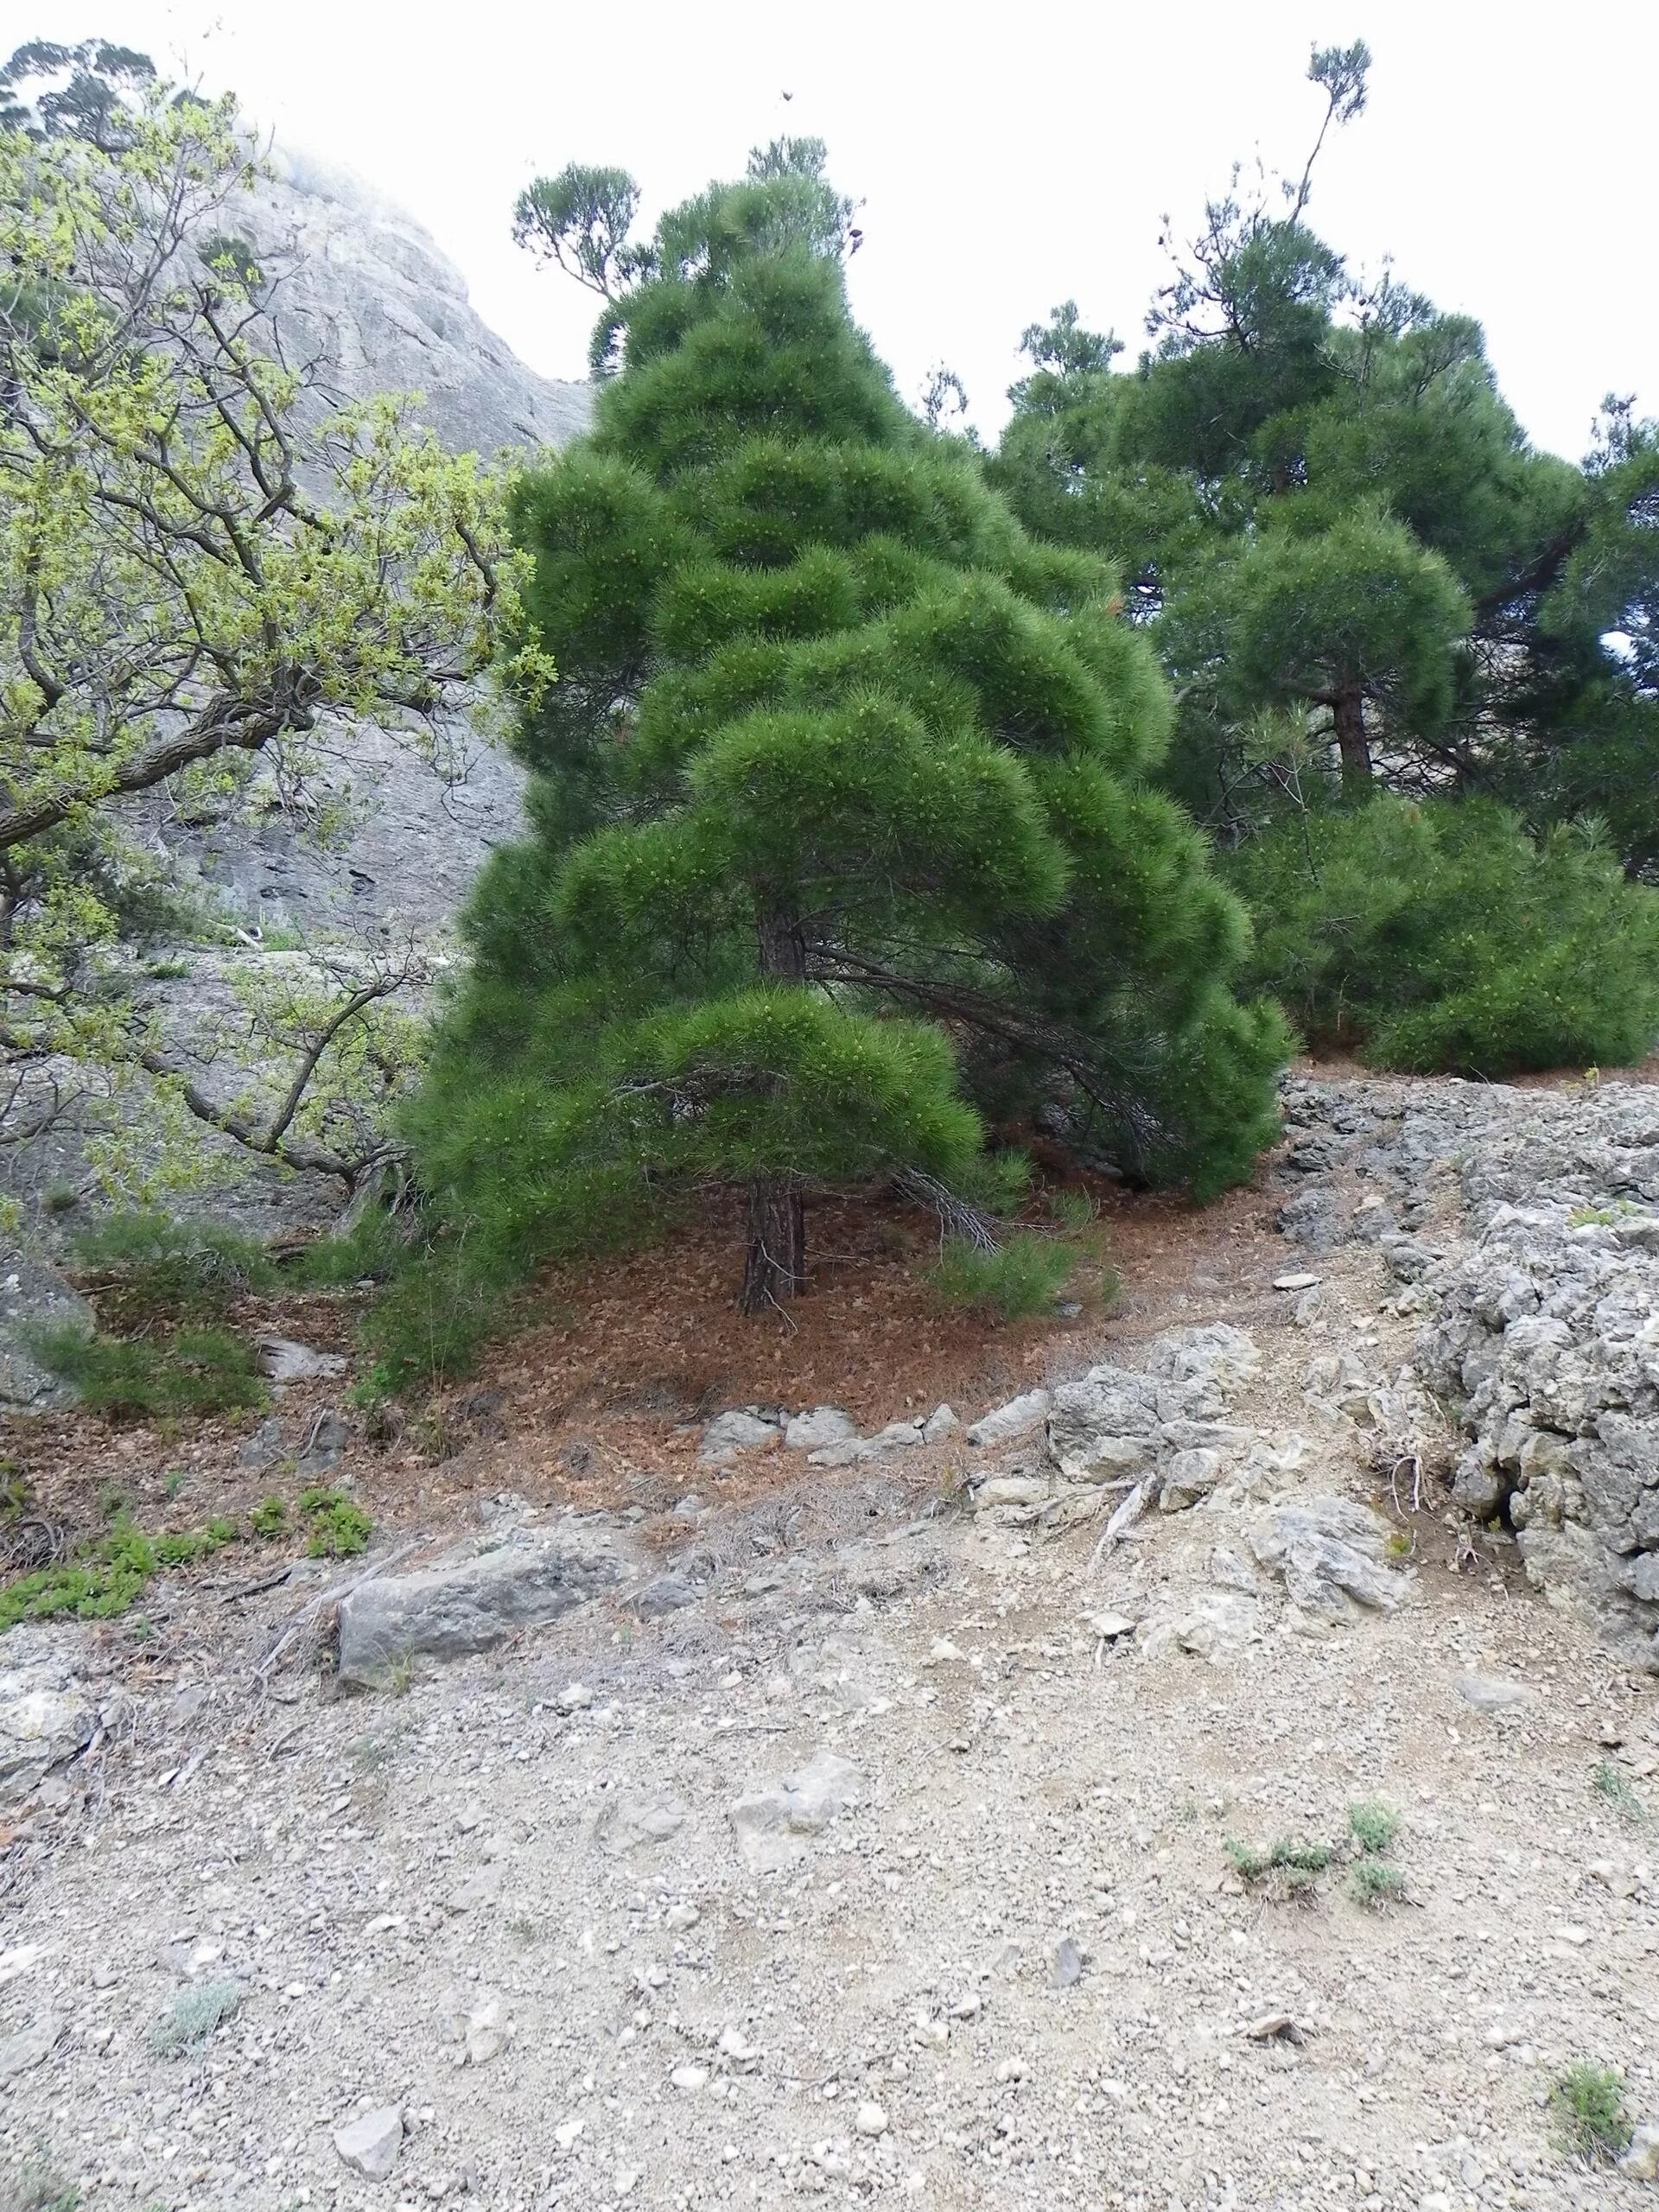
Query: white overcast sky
point(1008, 157)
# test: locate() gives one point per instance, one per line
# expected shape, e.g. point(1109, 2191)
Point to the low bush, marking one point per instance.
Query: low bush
point(1441, 937)
point(155, 1267)
point(193, 1371)
point(193, 2015)
point(1374, 1882)
point(1373, 1826)
point(1588, 2105)
point(1015, 1280)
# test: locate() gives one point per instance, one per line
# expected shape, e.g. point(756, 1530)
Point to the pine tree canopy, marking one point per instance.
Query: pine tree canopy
point(845, 843)
point(1320, 499)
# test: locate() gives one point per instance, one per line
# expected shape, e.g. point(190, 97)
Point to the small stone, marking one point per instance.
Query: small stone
point(664, 1593)
point(480, 1889)
point(285, 1360)
point(370, 2145)
point(1491, 1693)
point(871, 2119)
point(943, 1653)
point(682, 1916)
point(1065, 1967)
point(1109, 1625)
point(1296, 1283)
point(940, 1422)
point(566, 2133)
point(1010, 2069)
point(689, 2077)
point(576, 1697)
point(30, 2047)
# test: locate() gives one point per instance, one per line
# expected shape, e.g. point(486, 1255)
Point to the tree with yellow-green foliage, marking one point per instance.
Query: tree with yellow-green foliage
point(203, 562)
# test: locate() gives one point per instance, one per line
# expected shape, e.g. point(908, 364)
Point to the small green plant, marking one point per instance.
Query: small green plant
point(61, 1198)
point(175, 1482)
point(1014, 1280)
point(167, 971)
point(1400, 1545)
point(1374, 1826)
point(1290, 1868)
point(1588, 2105)
point(109, 1577)
point(195, 1370)
point(339, 1528)
point(1074, 1211)
point(268, 1519)
point(1607, 1782)
point(1602, 1216)
point(193, 2015)
point(1374, 1882)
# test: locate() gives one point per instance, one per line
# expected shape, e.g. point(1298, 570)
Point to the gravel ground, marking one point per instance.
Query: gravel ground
point(1001, 1959)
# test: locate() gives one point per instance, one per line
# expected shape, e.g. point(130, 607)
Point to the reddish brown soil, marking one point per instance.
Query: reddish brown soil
point(599, 1398)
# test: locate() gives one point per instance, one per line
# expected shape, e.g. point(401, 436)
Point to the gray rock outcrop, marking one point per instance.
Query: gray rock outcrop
point(1524, 1225)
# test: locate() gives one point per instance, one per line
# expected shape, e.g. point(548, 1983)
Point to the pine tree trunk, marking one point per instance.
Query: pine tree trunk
point(1352, 743)
point(775, 1270)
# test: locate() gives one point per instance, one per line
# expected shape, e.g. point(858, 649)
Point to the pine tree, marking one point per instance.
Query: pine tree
point(841, 836)
point(1321, 500)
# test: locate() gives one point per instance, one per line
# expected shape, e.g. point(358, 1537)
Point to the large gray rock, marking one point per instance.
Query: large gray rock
point(1157, 1423)
point(1017, 1418)
point(1330, 1553)
point(447, 1610)
point(45, 1718)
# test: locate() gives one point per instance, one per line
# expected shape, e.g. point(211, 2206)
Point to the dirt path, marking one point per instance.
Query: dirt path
point(1001, 1958)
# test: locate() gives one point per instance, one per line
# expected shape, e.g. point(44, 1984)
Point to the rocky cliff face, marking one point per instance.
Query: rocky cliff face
point(361, 289)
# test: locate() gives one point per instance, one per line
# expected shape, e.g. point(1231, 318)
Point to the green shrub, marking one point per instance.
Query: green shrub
point(161, 1268)
point(193, 1370)
point(1588, 2103)
point(1374, 1826)
point(1290, 1868)
point(339, 1528)
point(429, 1326)
point(268, 1518)
point(1016, 1279)
point(1374, 1882)
point(36, 2186)
point(373, 1250)
point(1607, 1782)
point(1441, 936)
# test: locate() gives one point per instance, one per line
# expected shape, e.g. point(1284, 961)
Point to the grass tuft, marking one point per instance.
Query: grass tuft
point(193, 2016)
point(195, 1370)
point(1588, 2105)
